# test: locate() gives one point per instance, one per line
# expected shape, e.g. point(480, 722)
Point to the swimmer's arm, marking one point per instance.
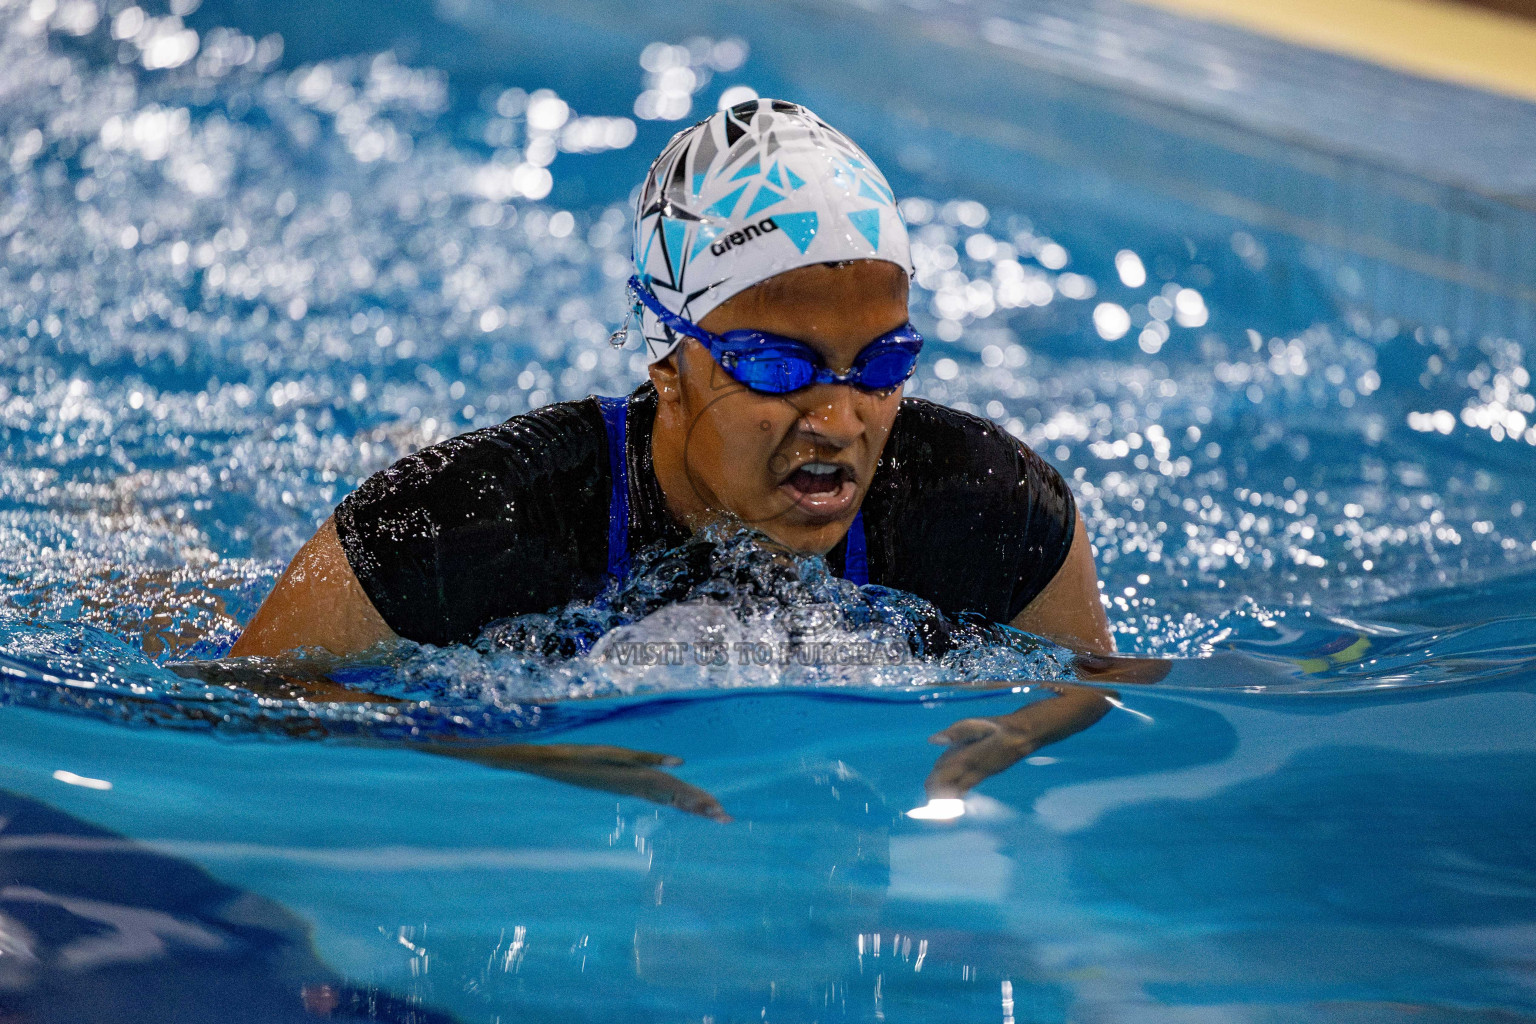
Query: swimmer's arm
point(318, 602)
point(610, 769)
point(1069, 613)
point(981, 747)
point(1068, 610)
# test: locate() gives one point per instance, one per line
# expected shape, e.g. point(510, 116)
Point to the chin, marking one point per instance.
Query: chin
point(808, 538)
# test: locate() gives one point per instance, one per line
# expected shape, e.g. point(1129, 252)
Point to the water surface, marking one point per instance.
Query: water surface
point(243, 272)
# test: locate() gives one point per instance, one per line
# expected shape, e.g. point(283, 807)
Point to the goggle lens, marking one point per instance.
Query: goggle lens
point(775, 373)
point(886, 368)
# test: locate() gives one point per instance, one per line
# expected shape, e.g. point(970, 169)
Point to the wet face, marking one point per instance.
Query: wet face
point(795, 466)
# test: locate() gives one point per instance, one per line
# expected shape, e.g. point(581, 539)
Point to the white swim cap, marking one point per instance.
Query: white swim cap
point(763, 187)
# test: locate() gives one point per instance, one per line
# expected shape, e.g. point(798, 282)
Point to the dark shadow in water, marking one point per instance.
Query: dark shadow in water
point(95, 927)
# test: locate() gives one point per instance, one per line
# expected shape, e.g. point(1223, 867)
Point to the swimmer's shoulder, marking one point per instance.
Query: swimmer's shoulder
point(556, 444)
point(964, 514)
point(499, 521)
point(541, 472)
point(956, 447)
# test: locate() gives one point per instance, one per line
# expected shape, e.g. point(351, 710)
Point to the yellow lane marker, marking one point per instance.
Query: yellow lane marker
point(1354, 652)
point(1433, 38)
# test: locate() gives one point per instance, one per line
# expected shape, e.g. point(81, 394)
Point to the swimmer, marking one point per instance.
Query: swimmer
point(771, 272)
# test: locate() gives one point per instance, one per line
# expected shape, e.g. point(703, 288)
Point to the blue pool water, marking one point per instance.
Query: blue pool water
point(254, 253)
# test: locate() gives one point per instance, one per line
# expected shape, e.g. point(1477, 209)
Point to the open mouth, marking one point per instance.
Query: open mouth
point(821, 488)
point(817, 478)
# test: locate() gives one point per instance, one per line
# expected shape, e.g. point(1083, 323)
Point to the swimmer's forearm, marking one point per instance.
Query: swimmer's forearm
point(592, 766)
point(532, 755)
point(981, 747)
point(1120, 668)
point(306, 679)
point(1072, 710)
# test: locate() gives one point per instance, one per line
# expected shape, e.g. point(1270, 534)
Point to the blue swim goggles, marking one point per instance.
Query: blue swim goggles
point(776, 365)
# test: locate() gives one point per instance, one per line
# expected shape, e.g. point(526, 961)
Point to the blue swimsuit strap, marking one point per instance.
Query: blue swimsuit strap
point(856, 558)
point(615, 422)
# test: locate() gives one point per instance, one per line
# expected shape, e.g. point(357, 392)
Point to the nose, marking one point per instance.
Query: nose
point(829, 414)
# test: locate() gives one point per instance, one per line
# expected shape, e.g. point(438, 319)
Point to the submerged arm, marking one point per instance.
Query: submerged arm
point(981, 747)
point(590, 766)
point(1069, 612)
point(318, 602)
point(610, 769)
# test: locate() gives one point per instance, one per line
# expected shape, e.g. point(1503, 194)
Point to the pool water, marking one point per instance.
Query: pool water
point(254, 253)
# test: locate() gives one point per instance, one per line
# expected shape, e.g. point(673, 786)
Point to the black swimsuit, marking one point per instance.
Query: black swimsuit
point(520, 517)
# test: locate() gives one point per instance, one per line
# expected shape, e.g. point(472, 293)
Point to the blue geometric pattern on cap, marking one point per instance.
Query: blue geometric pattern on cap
point(747, 171)
point(766, 197)
point(800, 227)
point(645, 258)
point(723, 206)
point(868, 223)
point(675, 236)
point(795, 180)
point(706, 235)
point(775, 177)
point(869, 193)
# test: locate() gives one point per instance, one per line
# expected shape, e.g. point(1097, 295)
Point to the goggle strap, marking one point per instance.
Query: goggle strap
point(665, 316)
